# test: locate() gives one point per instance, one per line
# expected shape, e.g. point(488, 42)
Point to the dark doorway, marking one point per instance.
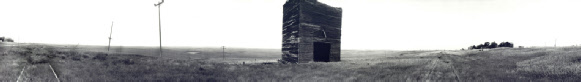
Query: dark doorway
point(321, 52)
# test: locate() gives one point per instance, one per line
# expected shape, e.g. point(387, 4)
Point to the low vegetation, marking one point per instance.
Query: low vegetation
point(488, 45)
point(513, 64)
point(4, 39)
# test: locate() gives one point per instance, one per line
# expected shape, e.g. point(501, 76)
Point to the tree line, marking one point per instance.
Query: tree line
point(489, 45)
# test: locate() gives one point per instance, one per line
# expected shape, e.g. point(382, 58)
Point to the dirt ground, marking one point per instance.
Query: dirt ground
point(70, 63)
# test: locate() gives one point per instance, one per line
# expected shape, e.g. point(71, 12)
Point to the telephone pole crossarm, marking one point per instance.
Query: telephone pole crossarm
point(158, 3)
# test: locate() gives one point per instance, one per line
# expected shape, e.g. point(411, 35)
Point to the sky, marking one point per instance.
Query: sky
point(366, 24)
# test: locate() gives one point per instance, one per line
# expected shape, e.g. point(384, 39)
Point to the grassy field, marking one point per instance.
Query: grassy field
point(92, 63)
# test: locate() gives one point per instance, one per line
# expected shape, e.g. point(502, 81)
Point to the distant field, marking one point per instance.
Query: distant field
point(232, 55)
point(93, 63)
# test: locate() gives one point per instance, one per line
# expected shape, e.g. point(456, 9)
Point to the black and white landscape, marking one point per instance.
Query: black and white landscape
point(290, 40)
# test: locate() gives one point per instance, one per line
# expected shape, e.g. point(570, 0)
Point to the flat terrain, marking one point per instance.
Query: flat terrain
point(71, 63)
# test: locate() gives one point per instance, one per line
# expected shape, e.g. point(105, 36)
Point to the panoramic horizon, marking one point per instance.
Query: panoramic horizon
point(366, 24)
point(290, 40)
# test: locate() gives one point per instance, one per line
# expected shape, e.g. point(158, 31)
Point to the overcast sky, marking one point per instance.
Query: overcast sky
point(367, 24)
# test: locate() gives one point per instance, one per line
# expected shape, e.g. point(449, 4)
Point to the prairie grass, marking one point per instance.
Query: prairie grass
point(527, 64)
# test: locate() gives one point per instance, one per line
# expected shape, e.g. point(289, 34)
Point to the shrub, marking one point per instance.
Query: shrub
point(472, 47)
point(9, 40)
point(480, 46)
point(34, 59)
point(493, 45)
point(506, 44)
point(100, 56)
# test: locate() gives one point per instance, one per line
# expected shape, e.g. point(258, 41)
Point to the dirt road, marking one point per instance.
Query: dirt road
point(37, 73)
point(15, 68)
point(439, 68)
point(11, 64)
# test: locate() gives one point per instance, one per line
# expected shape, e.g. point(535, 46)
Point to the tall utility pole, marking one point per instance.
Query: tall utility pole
point(158, 5)
point(110, 33)
point(223, 53)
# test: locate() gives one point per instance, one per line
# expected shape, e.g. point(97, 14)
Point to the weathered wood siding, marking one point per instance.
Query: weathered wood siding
point(290, 32)
point(306, 22)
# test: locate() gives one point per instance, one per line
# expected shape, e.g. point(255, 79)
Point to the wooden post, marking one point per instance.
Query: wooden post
point(110, 33)
point(159, 20)
point(159, 23)
point(555, 42)
point(223, 53)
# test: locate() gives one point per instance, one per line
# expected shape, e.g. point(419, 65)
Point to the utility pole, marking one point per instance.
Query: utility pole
point(223, 53)
point(555, 42)
point(158, 5)
point(110, 33)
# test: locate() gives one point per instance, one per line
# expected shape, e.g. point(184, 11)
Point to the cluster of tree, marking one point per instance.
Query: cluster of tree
point(4, 39)
point(488, 45)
